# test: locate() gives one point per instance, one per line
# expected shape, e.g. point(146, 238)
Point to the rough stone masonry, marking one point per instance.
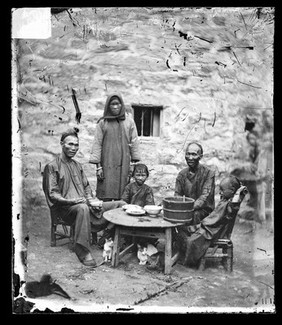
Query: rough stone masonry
point(208, 68)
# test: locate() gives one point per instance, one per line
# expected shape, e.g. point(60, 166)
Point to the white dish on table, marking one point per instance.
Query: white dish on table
point(135, 212)
point(131, 206)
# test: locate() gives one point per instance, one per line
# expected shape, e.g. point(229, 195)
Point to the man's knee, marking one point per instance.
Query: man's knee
point(81, 209)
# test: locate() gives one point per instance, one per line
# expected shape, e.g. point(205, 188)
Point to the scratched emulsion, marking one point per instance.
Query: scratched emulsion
point(208, 68)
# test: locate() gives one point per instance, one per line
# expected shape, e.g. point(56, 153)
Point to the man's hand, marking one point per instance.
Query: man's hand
point(95, 207)
point(95, 204)
point(77, 201)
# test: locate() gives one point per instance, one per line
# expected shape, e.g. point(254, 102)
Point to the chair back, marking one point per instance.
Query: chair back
point(226, 231)
point(228, 227)
point(45, 186)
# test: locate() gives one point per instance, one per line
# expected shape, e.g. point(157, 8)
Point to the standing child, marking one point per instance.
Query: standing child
point(141, 194)
point(138, 192)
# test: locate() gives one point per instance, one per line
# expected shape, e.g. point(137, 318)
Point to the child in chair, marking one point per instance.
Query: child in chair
point(194, 240)
point(138, 192)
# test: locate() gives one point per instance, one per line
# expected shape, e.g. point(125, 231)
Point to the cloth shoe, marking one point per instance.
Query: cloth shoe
point(83, 256)
point(88, 260)
point(91, 263)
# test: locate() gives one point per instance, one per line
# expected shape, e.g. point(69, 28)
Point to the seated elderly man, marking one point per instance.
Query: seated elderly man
point(69, 195)
point(196, 181)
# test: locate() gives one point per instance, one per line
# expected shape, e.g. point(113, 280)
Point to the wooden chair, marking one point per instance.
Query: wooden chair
point(68, 231)
point(58, 235)
point(222, 246)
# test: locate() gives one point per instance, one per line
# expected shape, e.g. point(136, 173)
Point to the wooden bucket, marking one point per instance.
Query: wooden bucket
point(178, 209)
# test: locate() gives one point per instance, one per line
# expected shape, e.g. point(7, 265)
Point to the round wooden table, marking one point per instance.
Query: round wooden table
point(141, 226)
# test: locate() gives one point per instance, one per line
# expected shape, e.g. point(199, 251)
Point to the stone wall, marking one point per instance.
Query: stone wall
point(207, 67)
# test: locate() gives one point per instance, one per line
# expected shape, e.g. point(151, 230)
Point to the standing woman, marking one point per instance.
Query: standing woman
point(115, 145)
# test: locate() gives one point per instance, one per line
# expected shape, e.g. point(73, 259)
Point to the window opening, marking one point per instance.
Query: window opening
point(147, 120)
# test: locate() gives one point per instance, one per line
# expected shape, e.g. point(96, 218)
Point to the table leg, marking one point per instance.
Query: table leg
point(168, 252)
point(116, 248)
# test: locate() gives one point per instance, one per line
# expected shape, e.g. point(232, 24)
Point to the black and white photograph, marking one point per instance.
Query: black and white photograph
point(142, 160)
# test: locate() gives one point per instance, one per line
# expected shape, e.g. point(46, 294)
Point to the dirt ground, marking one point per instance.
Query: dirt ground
point(132, 288)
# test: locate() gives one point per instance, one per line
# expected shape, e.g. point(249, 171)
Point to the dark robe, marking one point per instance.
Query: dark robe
point(196, 239)
point(200, 187)
point(65, 179)
point(139, 195)
point(115, 144)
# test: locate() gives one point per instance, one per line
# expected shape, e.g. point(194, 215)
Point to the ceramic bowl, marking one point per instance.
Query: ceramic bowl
point(153, 209)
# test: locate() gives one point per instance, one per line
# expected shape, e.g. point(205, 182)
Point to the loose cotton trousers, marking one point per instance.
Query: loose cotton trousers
point(83, 217)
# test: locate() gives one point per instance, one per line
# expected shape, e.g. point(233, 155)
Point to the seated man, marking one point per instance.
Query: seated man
point(194, 243)
point(196, 181)
point(69, 195)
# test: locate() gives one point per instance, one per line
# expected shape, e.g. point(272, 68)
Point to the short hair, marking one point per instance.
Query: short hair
point(140, 167)
point(233, 181)
point(68, 132)
point(196, 143)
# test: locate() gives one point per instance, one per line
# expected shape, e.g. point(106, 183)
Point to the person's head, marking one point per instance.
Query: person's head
point(70, 142)
point(228, 187)
point(193, 154)
point(252, 139)
point(114, 107)
point(140, 173)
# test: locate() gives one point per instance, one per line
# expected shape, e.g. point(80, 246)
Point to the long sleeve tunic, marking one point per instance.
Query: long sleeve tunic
point(139, 195)
point(115, 145)
point(64, 180)
point(199, 186)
